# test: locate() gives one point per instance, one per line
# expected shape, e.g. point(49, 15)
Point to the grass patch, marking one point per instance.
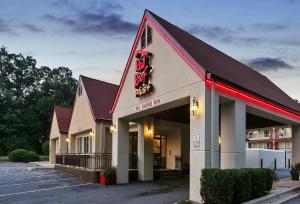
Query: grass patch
point(3, 158)
point(44, 158)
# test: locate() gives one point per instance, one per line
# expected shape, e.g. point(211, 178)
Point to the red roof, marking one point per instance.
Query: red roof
point(101, 96)
point(63, 115)
point(225, 68)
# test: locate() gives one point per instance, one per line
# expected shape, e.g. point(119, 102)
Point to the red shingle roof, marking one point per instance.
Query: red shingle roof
point(63, 115)
point(227, 69)
point(101, 96)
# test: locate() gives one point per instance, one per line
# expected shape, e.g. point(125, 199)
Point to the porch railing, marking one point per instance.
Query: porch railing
point(92, 161)
point(87, 161)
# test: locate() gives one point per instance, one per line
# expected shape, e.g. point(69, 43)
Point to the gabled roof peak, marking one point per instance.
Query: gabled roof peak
point(63, 116)
point(100, 95)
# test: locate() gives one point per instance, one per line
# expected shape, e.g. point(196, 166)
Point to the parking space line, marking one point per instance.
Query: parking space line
point(44, 189)
point(51, 180)
point(29, 177)
point(29, 173)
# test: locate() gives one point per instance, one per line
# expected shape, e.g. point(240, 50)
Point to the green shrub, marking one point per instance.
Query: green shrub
point(271, 177)
point(22, 155)
point(109, 173)
point(216, 186)
point(258, 180)
point(294, 173)
point(184, 202)
point(45, 148)
point(242, 185)
point(235, 185)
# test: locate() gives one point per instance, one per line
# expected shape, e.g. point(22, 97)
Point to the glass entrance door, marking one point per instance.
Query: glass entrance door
point(159, 151)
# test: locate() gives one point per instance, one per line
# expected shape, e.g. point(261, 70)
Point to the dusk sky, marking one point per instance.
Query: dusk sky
point(94, 37)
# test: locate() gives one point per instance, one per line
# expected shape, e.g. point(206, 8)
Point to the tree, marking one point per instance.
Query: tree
point(27, 97)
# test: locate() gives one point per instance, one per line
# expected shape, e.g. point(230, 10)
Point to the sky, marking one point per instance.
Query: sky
point(94, 37)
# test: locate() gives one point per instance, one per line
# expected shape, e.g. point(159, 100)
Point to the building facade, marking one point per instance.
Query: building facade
point(204, 98)
point(87, 135)
point(276, 138)
point(59, 132)
point(181, 105)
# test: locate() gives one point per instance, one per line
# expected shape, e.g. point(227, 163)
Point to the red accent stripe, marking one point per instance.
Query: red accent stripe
point(128, 63)
point(224, 88)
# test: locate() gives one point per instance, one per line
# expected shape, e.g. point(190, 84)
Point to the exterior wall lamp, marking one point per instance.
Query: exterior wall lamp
point(92, 134)
point(149, 131)
point(219, 140)
point(194, 107)
point(68, 140)
point(112, 129)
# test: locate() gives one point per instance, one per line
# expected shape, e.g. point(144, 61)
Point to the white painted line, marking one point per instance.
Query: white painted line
point(28, 173)
point(44, 189)
point(29, 177)
point(51, 180)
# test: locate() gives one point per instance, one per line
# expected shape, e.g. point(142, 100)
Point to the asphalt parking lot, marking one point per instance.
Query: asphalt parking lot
point(18, 185)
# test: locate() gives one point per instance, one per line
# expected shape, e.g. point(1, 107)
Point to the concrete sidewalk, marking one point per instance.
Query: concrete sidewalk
point(41, 164)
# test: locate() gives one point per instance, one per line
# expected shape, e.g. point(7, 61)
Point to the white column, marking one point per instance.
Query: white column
point(63, 144)
point(295, 144)
point(120, 150)
point(52, 150)
point(72, 145)
point(233, 133)
point(145, 149)
point(199, 126)
point(214, 124)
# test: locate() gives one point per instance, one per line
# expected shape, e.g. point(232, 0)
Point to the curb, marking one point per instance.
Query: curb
point(38, 166)
point(270, 197)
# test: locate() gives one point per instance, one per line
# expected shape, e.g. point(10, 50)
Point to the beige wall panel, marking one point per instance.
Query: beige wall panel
point(54, 132)
point(82, 118)
point(170, 72)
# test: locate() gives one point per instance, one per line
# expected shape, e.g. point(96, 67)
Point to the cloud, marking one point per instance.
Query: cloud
point(4, 28)
point(241, 40)
point(62, 20)
point(269, 26)
point(214, 32)
point(269, 64)
point(96, 20)
point(223, 34)
point(32, 28)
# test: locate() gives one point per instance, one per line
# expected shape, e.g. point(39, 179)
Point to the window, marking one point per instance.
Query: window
point(149, 35)
point(288, 145)
point(266, 133)
point(147, 32)
point(84, 144)
point(143, 39)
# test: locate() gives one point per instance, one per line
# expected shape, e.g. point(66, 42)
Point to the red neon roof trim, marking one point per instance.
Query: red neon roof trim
point(128, 63)
point(224, 88)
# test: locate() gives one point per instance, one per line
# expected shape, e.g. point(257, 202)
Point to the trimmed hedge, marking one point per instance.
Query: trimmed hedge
point(45, 148)
point(22, 155)
point(235, 185)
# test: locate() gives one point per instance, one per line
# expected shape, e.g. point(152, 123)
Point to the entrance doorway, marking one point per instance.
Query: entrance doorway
point(160, 152)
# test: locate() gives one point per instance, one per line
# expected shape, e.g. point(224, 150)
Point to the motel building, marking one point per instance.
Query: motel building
point(181, 105)
point(80, 136)
point(200, 100)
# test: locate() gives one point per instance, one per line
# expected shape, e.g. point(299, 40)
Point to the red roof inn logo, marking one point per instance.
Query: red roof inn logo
point(143, 72)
